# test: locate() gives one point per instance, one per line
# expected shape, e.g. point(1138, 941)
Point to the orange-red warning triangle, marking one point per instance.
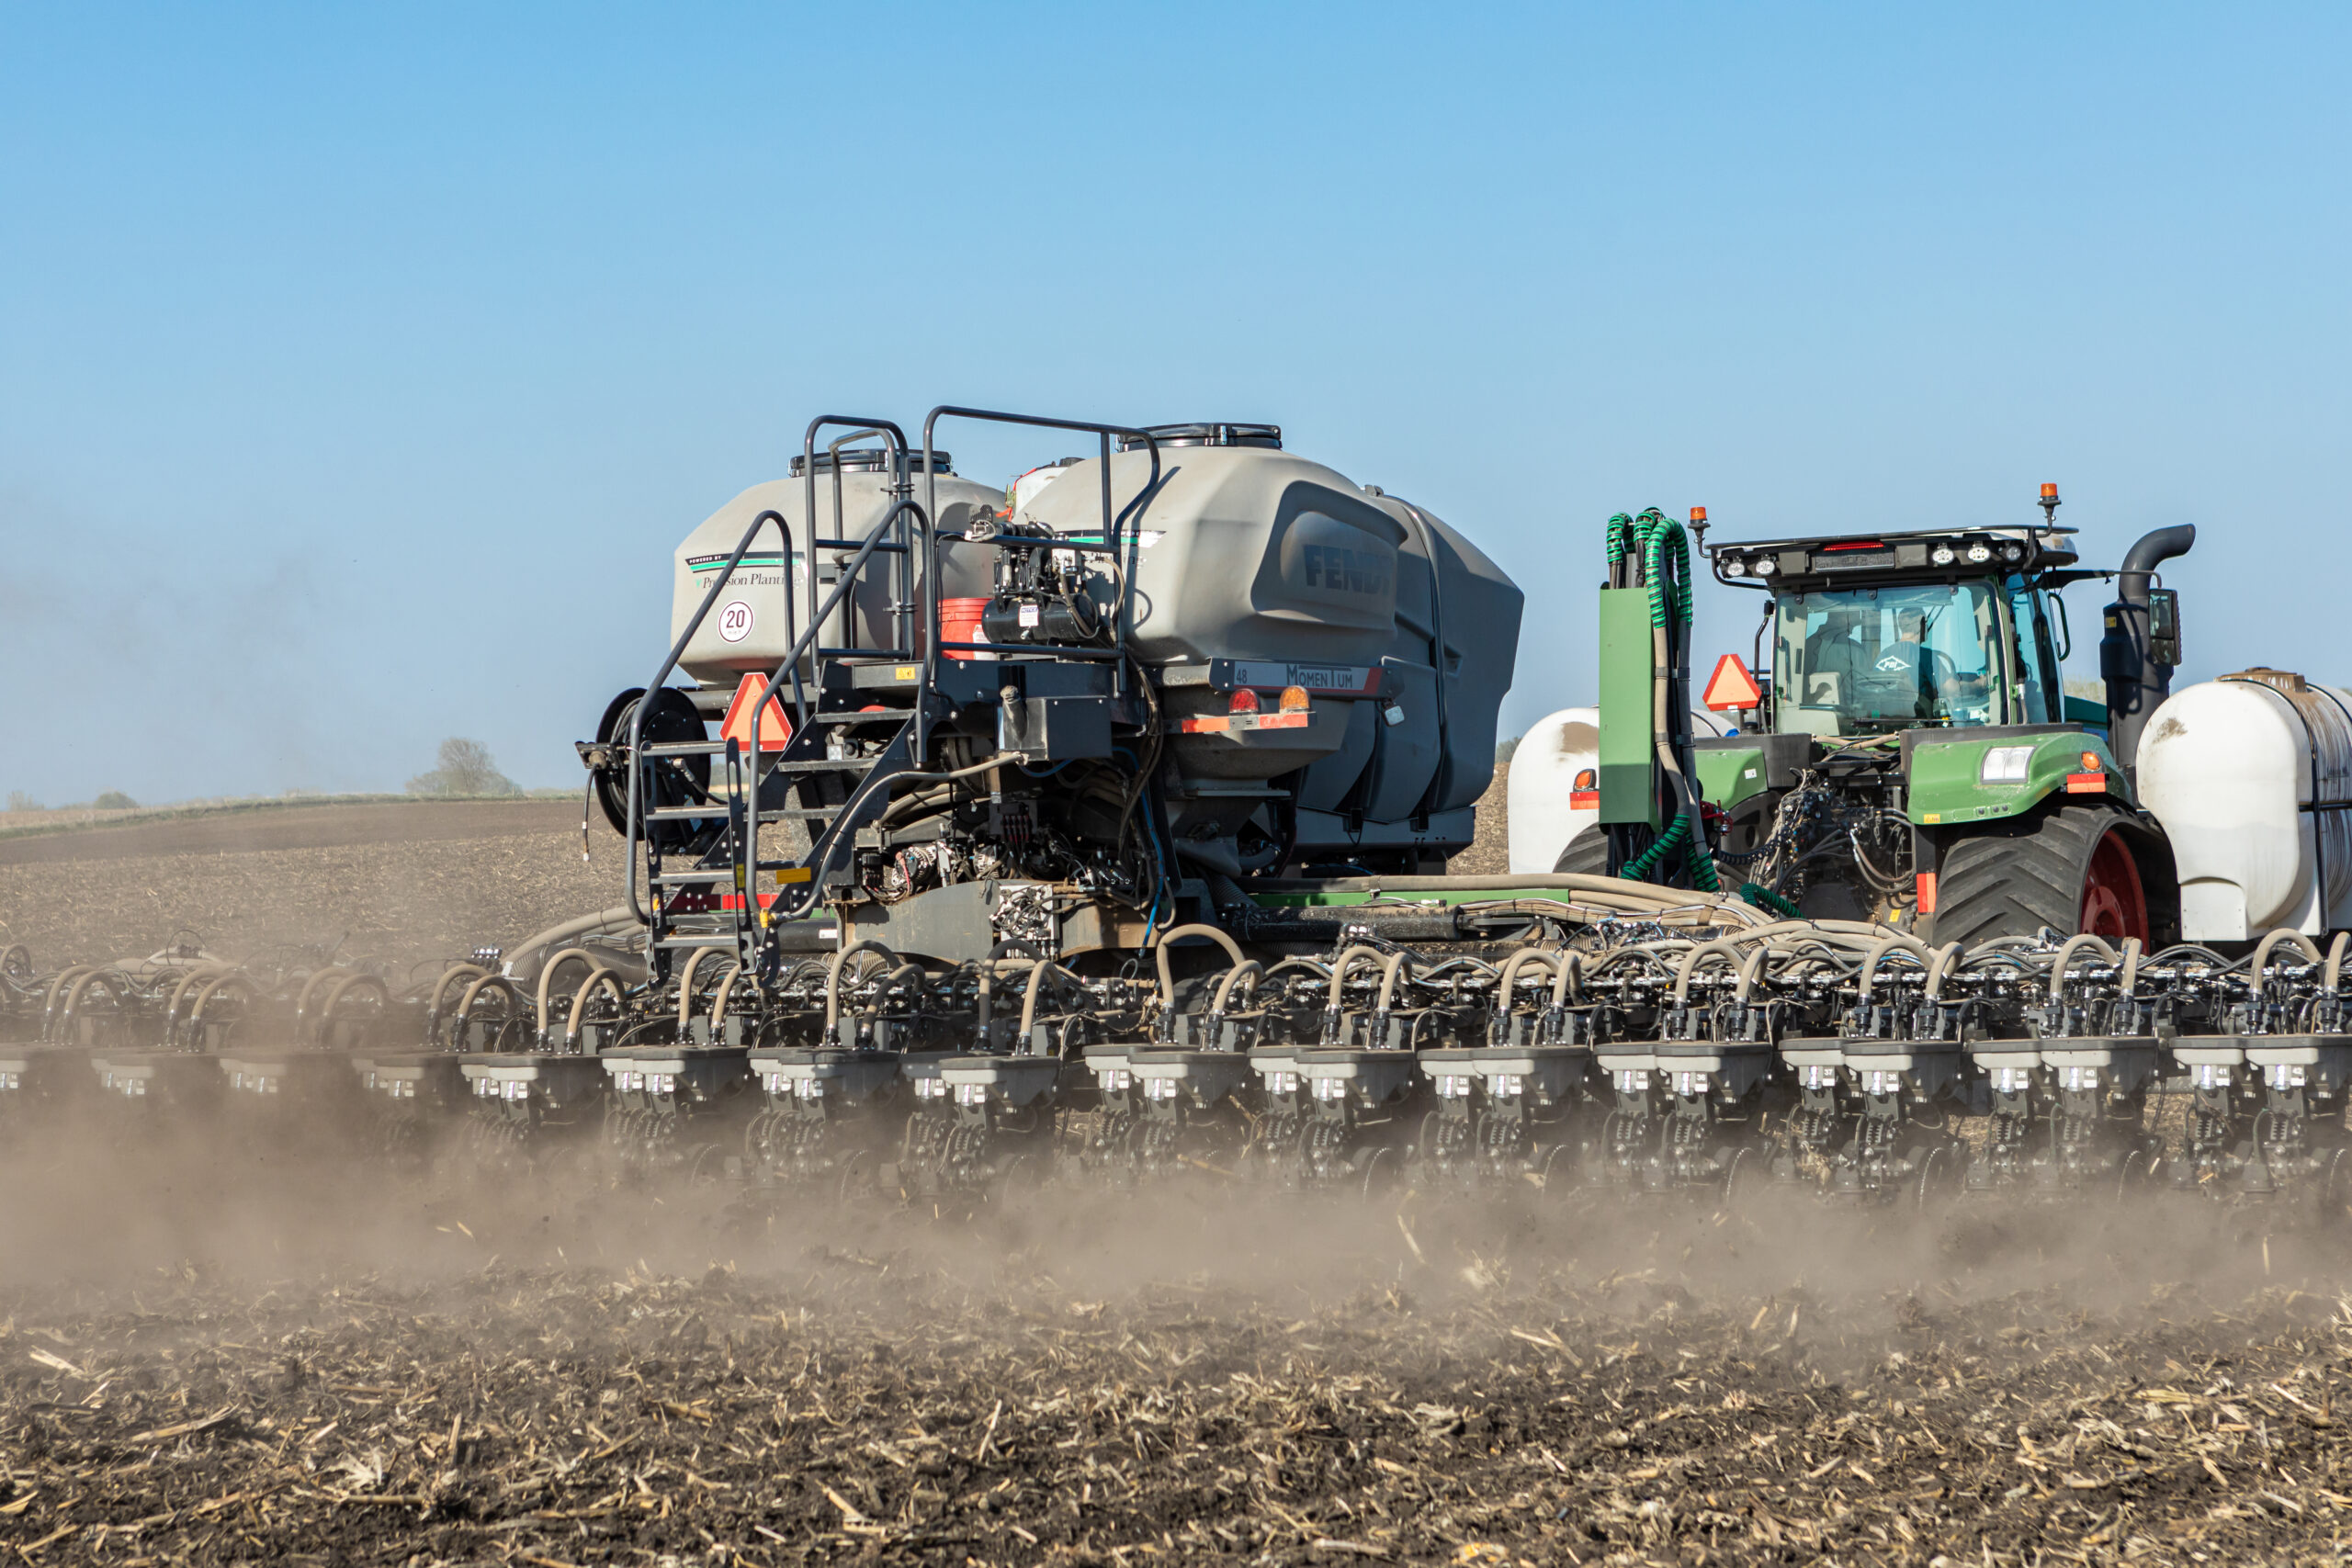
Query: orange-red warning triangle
point(776, 730)
point(1731, 686)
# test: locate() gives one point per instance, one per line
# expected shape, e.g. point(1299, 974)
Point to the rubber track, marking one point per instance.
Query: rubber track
point(2016, 876)
point(1587, 854)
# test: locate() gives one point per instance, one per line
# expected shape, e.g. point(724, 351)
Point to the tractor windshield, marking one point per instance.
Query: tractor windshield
point(1862, 660)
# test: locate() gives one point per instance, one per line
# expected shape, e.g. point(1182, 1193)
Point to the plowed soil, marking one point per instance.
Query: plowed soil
point(403, 883)
point(210, 1352)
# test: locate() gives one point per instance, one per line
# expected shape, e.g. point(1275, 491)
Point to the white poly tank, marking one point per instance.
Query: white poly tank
point(2251, 775)
point(1541, 815)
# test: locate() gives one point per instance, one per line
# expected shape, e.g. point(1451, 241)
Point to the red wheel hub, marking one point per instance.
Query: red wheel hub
point(2115, 905)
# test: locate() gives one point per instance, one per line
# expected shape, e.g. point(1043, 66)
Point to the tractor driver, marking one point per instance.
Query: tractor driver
point(1908, 669)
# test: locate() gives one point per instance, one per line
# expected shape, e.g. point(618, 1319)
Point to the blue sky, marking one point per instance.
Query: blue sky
point(359, 367)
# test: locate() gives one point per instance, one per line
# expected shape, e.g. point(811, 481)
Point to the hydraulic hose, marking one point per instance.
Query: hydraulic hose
point(1665, 554)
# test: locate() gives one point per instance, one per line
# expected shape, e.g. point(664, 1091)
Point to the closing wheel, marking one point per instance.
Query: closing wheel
point(2138, 1170)
point(857, 1179)
point(2072, 868)
point(1381, 1171)
point(1558, 1171)
point(706, 1167)
point(1744, 1178)
point(2331, 1188)
point(1941, 1173)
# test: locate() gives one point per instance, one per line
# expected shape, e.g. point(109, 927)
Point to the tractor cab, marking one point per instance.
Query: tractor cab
point(1877, 634)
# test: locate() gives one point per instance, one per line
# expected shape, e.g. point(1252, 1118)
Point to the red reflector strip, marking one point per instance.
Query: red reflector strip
point(1229, 723)
point(1927, 885)
point(705, 903)
point(1584, 800)
point(2085, 783)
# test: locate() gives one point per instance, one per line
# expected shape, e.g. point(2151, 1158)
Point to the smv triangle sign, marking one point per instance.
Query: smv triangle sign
point(1731, 686)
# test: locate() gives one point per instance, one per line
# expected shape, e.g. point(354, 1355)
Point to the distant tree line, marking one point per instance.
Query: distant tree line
point(467, 768)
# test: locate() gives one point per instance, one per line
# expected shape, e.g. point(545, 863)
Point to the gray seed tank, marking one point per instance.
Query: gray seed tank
point(1256, 569)
point(751, 626)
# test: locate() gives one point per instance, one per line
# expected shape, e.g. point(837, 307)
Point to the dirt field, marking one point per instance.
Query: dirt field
point(409, 882)
point(212, 1354)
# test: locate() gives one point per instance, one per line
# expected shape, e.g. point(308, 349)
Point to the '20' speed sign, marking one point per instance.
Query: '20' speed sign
point(735, 621)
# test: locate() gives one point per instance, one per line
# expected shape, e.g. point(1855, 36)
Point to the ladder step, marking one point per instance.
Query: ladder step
point(721, 941)
point(893, 716)
point(823, 766)
point(799, 814)
point(686, 748)
point(685, 813)
point(694, 878)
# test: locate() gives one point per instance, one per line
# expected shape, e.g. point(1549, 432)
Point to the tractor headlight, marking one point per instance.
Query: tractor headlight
point(1764, 565)
point(1943, 555)
point(1979, 553)
point(2013, 552)
point(2005, 764)
point(1735, 567)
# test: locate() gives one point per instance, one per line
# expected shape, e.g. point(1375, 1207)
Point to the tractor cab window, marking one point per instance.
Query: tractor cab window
point(1865, 660)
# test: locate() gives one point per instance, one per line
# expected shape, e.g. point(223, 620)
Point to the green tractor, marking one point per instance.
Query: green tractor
point(1909, 754)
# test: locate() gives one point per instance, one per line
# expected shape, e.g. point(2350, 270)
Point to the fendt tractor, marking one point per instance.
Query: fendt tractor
point(1910, 755)
point(1095, 830)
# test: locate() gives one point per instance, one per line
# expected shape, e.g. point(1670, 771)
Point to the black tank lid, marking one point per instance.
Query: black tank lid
point(1213, 434)
point(870, 460)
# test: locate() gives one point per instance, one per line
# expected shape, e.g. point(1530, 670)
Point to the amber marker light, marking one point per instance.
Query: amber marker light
point(1293, 699)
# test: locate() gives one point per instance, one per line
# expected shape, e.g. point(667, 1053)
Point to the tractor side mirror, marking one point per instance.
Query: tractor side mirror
point(2164, 627)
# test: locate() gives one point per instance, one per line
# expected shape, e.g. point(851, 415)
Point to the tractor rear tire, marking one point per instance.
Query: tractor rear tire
point(1587, 854)
point(2069, 867)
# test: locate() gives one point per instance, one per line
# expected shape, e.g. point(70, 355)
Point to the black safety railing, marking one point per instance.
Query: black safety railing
point(637, 770)
point(806, 645)
point(1110, 548)
point(901, 591)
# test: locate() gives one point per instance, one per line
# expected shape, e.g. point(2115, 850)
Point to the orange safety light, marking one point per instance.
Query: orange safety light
point(2091, 764)
point(1243, 701)
point(1698, 514)
point(2049, 492)
point(1586, 779)
point(1293, 699)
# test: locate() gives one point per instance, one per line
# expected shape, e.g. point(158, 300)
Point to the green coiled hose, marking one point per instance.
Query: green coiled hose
point(1663, 549)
